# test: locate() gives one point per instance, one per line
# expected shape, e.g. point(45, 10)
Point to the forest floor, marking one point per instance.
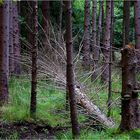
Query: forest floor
point(52, 120)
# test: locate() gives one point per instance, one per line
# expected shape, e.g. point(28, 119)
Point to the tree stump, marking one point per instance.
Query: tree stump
point(130, 112)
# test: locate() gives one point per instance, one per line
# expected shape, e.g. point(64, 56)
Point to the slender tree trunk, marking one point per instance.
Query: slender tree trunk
point(99, 33)
point(95, 48)
point(126, 22)
point(102, 26)
point(86, 41)
point(70, 72)
point(16, 40)
point(110, 61)
point(46, 22)
point(130, 115)
point(4, 51)
point(102, 29)
point(11, 46)
point(137, 29)
point(34, 58)
point(106, 49)
point(137, 23)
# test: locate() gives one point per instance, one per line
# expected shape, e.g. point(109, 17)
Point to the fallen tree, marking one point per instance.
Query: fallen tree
point(55, 73)
point(52, 66)
point(92, 109)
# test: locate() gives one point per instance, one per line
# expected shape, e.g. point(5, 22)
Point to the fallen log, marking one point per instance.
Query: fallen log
point(92, 109)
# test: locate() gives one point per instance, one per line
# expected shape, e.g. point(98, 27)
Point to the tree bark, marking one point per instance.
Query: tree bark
point(106, 49)
point(110, 61)
point(102, 27)
point(95, 48)
point(16, 40)
point(34, 58)
point(70, 72)
point(99, 33)
point(137, 28)
point(11, 46)
point(4, 51)
point(130, 115)
point(92, 110)
point(86, 40)
point(126, 22)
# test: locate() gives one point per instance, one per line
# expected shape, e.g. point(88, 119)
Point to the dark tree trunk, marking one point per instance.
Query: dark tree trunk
point(86, 41)
point(110, 60)
point(46, 22)
point(70, 72)
point(34, 58)
point(11, 46)
point(126, 22)
point(130, 104)
point(106, 49)
point(16, 40)
point(137, 23)
point(112, 31)
point(4, 51)
point(102, 27)
point(100, 23)
point(95, 48)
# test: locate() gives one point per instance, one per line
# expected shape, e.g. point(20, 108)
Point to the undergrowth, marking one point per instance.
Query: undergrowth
point(51, 109)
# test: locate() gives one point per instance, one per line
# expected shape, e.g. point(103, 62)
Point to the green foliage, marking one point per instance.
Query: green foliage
point(51, 108)
point(18, 108)
point(50, 104)
point(1, 2)
point(109, 134)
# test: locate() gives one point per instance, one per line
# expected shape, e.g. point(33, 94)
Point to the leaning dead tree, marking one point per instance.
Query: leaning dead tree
point(57, 74)
point(130, 103)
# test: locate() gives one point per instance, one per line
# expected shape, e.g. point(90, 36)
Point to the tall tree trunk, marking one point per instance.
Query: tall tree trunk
point(4, 51)
point(106, 49)
point(16, 40)
point(11, 46)
point(130, 114)
point(99, 33)
point(102, 26)
point(46, 22)
point(70, 72)
point(86, 41)
point(110, 60)
point(95, 48)
point(34, 58)
point(137, 23)
point(126, 22)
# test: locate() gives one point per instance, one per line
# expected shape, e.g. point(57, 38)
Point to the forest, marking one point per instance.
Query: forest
point(70, 69)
